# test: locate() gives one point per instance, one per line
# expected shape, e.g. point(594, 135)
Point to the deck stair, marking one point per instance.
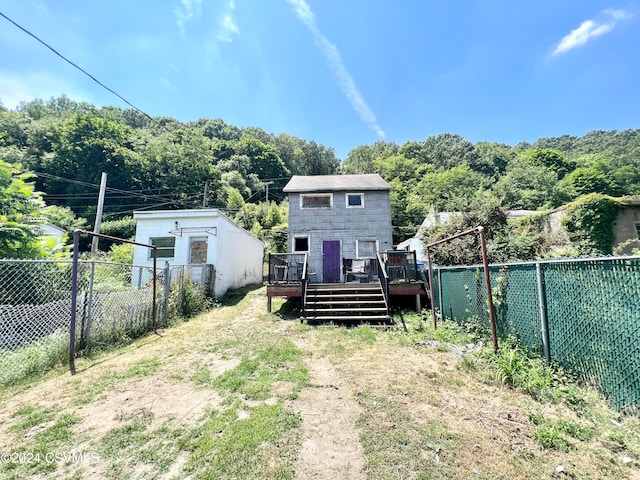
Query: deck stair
point(345, 303)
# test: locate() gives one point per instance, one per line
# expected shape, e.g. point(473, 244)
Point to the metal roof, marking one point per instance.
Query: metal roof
point(325, 183)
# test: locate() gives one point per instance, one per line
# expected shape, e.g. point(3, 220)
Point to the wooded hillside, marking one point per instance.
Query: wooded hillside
point(163, 163)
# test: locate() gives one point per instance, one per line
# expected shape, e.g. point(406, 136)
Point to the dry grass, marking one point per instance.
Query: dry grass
point(239, 393)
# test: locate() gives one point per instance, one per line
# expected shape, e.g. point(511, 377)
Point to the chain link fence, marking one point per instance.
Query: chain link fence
point(581, 314)
point(114, 305)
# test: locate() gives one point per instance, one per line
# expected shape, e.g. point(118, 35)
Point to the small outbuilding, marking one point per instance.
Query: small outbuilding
point(200, 237)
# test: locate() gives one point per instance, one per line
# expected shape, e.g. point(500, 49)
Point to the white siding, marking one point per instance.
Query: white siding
point(235, 254)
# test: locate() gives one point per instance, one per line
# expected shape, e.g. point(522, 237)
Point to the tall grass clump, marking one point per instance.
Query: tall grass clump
point(34, 359)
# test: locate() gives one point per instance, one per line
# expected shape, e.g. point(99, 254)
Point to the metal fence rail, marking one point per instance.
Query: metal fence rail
point(113, 306)
point(582, 314)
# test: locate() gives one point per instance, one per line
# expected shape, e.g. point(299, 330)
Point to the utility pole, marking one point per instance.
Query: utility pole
point(96, 226)
point(206, 191)
point(266, 184)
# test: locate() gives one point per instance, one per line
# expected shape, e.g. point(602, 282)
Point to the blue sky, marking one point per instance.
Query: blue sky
point(340, 72)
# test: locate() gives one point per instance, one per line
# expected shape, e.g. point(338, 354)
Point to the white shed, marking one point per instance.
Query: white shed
point(197, 237)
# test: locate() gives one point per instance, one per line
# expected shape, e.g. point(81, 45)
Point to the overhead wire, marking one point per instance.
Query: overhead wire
point(76, 66)
point(146, 115)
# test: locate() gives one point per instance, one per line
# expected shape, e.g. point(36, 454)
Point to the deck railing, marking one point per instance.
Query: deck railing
point(400, 265)
point(383, 278)
point(287, 268)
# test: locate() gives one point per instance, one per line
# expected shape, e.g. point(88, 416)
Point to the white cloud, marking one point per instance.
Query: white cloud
point(590, 29)
point(185, 12)
point(227, 28)
point(347, 85)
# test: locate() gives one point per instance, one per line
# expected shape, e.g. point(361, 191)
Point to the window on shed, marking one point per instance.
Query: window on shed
point(165, 247)
point(355, 200)
point(324, 200)
point(366, 248)
point(301, 244)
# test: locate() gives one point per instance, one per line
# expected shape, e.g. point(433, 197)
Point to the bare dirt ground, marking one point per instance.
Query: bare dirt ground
point(358, 391)
point(330, 442)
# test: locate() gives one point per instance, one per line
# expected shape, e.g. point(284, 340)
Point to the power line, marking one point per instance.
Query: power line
point(76, 66)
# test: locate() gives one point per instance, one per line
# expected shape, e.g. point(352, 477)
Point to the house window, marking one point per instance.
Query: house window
point(165, 247)
point(366, 248)
point(355, 200)
point(301, 244)
point(638, 229)
point(323, 200)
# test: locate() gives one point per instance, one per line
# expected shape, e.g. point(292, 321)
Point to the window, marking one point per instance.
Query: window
point(301, 244)
point(323, 200)
point(355, 200)
point(638, 229)
point(366, 248)
point(165, 247)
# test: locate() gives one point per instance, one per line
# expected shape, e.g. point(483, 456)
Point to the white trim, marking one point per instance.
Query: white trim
point(309, 195)
point(157, 249)
point(293, 244)
point(346, 199)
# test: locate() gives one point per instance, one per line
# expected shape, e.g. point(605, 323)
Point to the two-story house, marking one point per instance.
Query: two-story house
point(337, 217)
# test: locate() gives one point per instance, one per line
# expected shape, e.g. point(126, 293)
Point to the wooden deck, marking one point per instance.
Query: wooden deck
point(399, 289)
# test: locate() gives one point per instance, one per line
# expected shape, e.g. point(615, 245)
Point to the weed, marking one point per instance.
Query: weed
point(550, 437)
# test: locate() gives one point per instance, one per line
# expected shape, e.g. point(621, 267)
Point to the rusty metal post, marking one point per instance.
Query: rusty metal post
point(153, 307)
point(433, 298)
point(74, 293)
point(487, 279)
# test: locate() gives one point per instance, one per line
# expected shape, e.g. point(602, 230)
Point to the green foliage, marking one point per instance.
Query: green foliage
point(190, 298)
point(589, 221)
point(551, 159)
point(165, 161)
point(18, 202)
point(505, 241)
point(124, 228)
point(121, 253)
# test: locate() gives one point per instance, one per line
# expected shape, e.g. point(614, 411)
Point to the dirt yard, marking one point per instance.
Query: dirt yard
point(239, 393)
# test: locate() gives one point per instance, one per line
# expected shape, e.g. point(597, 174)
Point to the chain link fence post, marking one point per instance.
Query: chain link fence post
point(542, 302)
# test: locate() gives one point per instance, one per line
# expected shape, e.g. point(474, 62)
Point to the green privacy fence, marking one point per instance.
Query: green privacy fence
point(581, 314)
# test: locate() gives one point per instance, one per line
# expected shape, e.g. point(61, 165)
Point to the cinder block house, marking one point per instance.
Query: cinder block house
point(336, 217)
point(200, 237)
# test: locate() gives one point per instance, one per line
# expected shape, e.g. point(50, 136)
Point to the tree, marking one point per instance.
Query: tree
point(527, 186)
point(18, 203)
point(585, 180)
point(505, 241)
point(551, 159)
point(449, 189)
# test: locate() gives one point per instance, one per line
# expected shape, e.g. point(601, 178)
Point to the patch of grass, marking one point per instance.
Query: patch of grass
point(364, 333)
point(31, 417)
point(228, 447)
point(130, 435)
point(134, 447)
point(550, 437)
point(274, 359)
point(144, 367)
point(201, 375)
point(32, 361)
point(89, 392)
point(42, 444)
point(418, 328)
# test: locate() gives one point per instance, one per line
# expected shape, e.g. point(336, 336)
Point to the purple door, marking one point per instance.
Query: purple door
point(331, 261)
